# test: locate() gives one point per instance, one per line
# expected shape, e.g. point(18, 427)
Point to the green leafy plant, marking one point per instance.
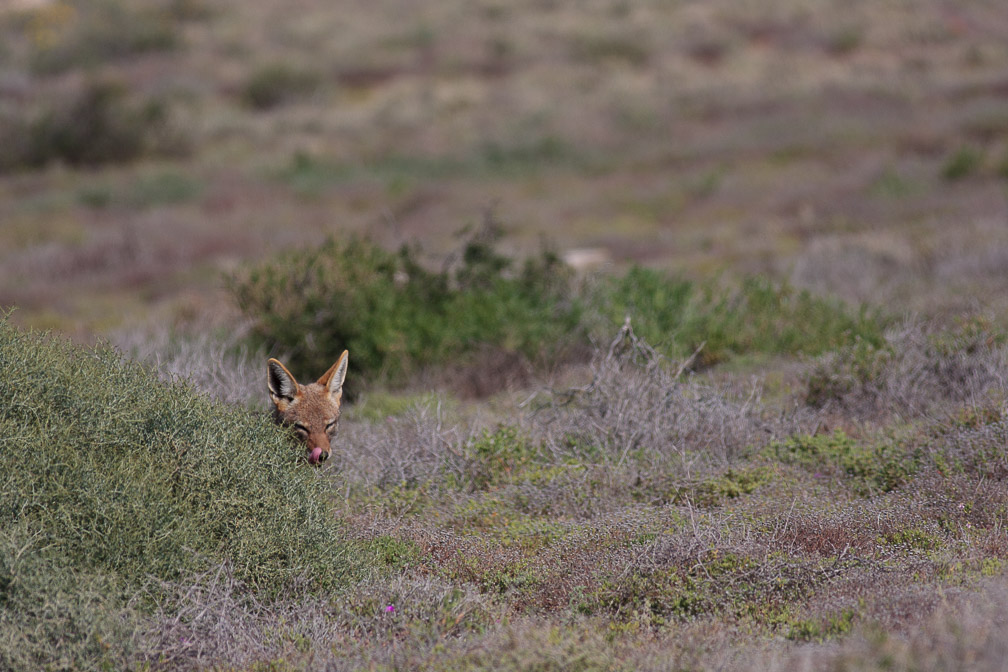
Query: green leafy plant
point(396, 316)
point(680, 316)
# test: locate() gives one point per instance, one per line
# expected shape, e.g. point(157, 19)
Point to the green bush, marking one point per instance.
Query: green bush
point(51, 611)
point(396, 317)
point(115, 482)
point(99, 124)
point(759, 316)
point(962, 163)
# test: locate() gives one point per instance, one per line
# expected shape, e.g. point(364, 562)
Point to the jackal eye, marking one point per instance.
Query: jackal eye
point(331, 425)
point(301, 429)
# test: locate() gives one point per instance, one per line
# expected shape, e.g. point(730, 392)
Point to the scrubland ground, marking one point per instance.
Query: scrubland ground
point(761, 478)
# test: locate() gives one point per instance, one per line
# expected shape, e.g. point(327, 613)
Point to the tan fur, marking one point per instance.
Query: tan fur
point(313, 410)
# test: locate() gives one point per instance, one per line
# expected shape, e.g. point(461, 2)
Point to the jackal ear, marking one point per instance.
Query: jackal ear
point(332, 379)
point(282, 386)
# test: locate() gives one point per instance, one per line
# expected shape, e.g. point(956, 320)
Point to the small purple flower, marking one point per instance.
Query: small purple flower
point(390, 609)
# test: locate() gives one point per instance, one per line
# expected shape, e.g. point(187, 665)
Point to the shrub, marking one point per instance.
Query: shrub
point(115, 482)
point(917, 368)
point(218, 365)
point(679, 316)
point(100, 124)
point(272, 85)
point(858, 369)
point(51, 611)
point(638, 410)
point(964, 162)
point(395, 316)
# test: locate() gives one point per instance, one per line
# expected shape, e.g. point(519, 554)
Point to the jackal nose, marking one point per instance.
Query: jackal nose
point(317, 455)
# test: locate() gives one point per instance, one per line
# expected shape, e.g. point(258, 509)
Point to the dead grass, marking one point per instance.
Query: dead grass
point(210, 620)
point(640, 406)
point(218, 364)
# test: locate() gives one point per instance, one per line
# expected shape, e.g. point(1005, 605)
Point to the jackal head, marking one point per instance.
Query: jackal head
point(313, 410)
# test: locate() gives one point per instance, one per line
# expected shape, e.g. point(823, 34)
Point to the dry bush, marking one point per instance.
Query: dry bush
point(489, 371)
point(974, 443)
point(638, 430)
point(638, 407)
point(969, 632)
point(414, 448)
point(213, 620)
point(221, 366)
point(922, 369)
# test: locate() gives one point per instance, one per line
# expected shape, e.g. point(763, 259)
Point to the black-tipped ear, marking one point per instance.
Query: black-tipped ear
point(282, 386)
point(333, 379)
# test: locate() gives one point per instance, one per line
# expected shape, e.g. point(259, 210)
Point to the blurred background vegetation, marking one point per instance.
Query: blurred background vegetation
point(857, 150)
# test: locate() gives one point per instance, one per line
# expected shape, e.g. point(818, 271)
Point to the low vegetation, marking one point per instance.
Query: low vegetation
point(101, 124)
point(398, 317)
point(272, 85)
point(913, 371)
point(648, 506)
point(71, 34)
point(118, 486)
point(718, 322)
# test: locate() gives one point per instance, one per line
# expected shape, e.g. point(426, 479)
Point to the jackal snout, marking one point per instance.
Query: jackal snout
point(313, 410)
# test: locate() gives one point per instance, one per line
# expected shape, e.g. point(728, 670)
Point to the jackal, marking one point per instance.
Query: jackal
point(313, 410)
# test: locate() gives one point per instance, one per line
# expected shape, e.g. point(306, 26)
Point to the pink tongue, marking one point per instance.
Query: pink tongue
point(315, 454)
